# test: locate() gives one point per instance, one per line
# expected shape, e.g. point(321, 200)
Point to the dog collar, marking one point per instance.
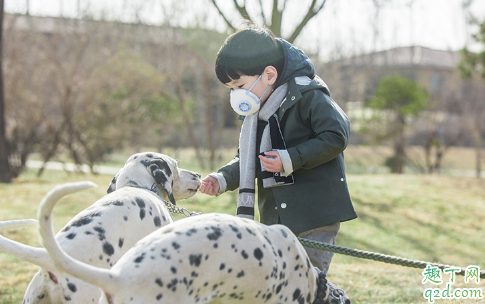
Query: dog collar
point(321, 287)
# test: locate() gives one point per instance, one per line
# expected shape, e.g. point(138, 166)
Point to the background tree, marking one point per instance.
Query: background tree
point(5, 176)
point(273, 22)
point(396, 99)
point(473, 65)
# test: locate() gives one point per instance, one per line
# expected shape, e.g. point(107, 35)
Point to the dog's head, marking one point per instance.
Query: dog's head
point(158, 173)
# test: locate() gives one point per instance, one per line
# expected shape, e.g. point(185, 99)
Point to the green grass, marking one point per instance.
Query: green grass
point(423, 217)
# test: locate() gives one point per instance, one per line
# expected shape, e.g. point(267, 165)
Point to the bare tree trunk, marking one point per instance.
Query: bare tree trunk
point(399, 145)
point(427, 153)
point(50, 152)
point(478, 155)
point(5, 176)
point(179, 90)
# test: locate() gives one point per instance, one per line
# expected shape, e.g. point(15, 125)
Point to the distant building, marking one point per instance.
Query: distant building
point(355, 79)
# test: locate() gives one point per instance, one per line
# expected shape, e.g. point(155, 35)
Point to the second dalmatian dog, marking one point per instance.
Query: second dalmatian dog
point(210, 258)
point(102, 233)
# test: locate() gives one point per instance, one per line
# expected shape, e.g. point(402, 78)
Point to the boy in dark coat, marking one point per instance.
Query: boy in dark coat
point(292, 141)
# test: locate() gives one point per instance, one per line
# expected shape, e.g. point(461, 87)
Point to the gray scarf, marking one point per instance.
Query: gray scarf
point(247, 153)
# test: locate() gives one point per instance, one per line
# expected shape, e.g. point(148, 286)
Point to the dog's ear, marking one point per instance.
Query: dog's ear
point(112, 185)
point(163, 175)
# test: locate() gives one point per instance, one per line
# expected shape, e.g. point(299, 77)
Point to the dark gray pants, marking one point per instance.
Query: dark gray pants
point(326, 234)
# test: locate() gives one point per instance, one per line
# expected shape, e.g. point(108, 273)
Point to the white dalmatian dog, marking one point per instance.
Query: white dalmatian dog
point(211, 258)
point(103, 232)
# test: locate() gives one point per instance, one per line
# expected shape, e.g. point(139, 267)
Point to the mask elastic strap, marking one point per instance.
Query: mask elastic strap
point(248, 91)
point(255, 82)
point(264, 93)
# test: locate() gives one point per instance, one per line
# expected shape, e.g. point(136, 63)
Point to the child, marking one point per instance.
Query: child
point(292, 140)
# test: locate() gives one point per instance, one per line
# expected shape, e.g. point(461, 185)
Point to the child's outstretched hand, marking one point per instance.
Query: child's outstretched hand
point(272, 163)
point(210, 186)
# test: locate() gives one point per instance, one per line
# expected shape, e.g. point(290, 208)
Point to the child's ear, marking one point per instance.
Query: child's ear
point(271, 74)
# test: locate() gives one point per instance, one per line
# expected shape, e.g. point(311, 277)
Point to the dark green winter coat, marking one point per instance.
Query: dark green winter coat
point(316, 132)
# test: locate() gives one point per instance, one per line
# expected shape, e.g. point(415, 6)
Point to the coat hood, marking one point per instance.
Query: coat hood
point(297, 63)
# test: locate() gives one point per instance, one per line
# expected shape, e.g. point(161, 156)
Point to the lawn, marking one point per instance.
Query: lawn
point(422, 217)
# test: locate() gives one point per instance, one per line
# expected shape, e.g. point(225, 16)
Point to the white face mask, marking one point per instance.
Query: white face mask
point(244, 102)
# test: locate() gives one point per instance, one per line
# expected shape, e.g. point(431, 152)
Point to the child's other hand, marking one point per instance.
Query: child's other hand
point(273, 163)
point(210, 186)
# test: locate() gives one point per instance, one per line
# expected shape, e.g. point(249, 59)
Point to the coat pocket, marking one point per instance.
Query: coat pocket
point(333, 173)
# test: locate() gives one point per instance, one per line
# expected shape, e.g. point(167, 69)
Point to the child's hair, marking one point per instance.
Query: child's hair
point(248, 52)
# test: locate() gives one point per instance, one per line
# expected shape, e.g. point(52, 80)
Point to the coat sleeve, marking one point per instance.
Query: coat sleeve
point(331, 129)
point(231, 174)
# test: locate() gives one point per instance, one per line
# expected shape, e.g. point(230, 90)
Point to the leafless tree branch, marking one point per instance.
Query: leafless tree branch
point(312, 12)
point(229, 24)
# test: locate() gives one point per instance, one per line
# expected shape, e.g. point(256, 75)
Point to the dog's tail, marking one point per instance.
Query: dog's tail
point(34, 255)
point(97, 276)
point(17, 224)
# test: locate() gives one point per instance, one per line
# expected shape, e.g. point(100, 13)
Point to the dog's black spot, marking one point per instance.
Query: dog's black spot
point(149, 155)
point(71, 235)
point(284, 233)
point(191, 231)
point(87, 232)
point(173, 285)
point(67, 298)
point(268, 296)
point(140, 258)
point(308, 297)
point(278, 289)
point(142, 214)
point(282, 275)
point(195, 259)
point(140, 202)
point(40, 297)
point(194, 274)
point(120, 242)
point(157, 221)
point(115, 203)
point(159, 282)
point(222, 266)
point(108, 248)
point(173, 270)
point(241, 274)
point(101, 232)
point(82, 221)
point(267, 239)
point(216, 233)
point(258, 254)
point(72, 287)
point(296, 294)
point(280, 253)
point(159, 296)
point(250, 231)
point(244, 254)
point(175, 245)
